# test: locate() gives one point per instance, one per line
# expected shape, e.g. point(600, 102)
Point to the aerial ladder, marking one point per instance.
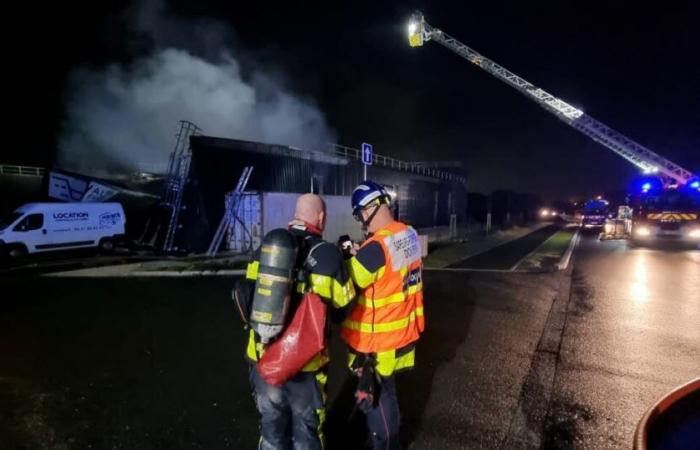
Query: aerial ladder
point(419, 32)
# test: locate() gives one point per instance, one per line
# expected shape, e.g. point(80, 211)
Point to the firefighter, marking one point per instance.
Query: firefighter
point(385, 323)
point(292, 415)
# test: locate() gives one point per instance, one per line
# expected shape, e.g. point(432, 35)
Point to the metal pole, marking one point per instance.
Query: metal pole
point(365, 172)
point(488, 213)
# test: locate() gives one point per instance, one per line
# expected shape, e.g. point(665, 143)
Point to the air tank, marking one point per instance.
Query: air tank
point(273, 287)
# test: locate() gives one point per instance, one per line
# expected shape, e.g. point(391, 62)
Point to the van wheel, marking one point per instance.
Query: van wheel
point(106, 245)
point(17, 251)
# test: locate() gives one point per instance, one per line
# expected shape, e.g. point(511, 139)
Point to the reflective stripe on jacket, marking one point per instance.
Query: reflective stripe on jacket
point(388, 316)
point(328, 278)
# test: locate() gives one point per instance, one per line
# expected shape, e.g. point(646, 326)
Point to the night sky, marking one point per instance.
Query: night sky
point(634, 68)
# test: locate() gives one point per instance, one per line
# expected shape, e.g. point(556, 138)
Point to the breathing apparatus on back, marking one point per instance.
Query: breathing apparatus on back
point(285, 259)
point(273, 287)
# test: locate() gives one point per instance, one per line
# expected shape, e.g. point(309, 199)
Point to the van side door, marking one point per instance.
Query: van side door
point(31, 232)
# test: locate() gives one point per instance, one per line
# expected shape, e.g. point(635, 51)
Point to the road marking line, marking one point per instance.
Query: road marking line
point(564, 263)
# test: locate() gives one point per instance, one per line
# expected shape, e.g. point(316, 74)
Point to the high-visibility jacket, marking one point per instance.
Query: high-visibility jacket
point(328, 278)
point(388, 317)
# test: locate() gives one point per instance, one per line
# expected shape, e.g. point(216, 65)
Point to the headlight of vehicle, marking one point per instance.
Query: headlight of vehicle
point(694, 233)
point(642, 231)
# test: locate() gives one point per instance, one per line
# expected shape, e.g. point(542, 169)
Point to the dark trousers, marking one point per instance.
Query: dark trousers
point(291, 415)
point(383, 419)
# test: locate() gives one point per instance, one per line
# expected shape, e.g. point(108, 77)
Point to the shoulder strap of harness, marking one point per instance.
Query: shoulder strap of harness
point(305, 262)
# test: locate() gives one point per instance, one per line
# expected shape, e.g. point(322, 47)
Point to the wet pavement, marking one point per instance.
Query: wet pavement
point(36, 264)
point(508, 360)
point(486, 328)
point(632, 334)
point(158, 363)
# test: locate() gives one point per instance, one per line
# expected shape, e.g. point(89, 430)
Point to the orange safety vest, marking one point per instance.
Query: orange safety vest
point(389, 312)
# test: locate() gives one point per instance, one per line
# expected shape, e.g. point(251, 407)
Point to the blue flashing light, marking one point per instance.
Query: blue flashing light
point(695, 184)
point(647, 185)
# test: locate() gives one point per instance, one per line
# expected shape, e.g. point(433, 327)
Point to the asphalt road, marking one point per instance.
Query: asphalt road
point(508, 360)
point(632, 334)
point(158, 363)
point(48, 262)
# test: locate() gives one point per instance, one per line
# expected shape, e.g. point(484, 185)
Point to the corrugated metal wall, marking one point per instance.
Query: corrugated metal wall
point(217, 163)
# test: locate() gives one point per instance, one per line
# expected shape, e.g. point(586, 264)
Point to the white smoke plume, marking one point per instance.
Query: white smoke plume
point(126, 116)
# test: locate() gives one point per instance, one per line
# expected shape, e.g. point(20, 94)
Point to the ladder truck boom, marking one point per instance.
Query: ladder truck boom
point(420, 32)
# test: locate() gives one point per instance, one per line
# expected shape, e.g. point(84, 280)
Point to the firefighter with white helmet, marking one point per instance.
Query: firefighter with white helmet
point(387, 319)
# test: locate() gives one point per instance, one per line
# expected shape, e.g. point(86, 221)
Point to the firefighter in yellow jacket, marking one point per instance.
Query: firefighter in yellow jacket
point(385, 323)
point(292, 415)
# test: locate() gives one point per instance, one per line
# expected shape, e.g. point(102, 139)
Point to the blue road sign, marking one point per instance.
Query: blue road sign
point(366, 154)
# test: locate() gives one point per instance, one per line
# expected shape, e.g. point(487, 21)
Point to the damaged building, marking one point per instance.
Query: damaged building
point(425, 194)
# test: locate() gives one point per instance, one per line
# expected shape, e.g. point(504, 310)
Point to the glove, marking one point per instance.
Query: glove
point(363, 368)
point(345, 244)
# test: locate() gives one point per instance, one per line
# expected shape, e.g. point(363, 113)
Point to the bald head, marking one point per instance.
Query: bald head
point(312, 209)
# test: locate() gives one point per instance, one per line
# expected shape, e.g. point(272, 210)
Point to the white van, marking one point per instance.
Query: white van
point(45, 227)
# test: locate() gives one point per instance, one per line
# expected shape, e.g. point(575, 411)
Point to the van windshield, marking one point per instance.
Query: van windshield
point(10, 220)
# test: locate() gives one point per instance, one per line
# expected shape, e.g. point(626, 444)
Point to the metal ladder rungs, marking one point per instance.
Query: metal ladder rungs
point(230, 211)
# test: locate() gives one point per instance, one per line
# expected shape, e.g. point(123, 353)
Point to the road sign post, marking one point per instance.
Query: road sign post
point(366, 157)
